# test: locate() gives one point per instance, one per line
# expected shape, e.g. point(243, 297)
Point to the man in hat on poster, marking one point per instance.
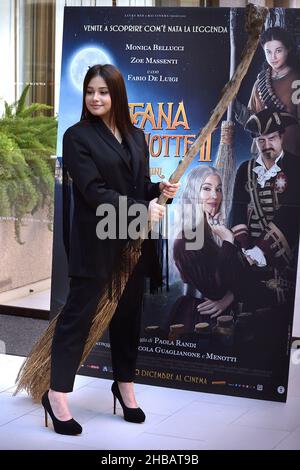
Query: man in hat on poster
point(265, 219)
point(265, 211)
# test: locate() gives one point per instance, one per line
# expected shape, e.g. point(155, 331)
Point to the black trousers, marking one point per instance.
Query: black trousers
point(74, 324)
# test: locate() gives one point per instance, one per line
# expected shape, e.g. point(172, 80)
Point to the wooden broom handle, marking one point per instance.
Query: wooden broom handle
point(255, 18)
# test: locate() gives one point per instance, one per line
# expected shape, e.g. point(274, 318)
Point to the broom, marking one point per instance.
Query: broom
point(34, 375)
point(225, 162)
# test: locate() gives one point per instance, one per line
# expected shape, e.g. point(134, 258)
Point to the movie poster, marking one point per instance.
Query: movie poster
point(221, 323)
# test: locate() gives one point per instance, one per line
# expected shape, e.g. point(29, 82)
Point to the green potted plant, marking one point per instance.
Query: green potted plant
point(27, 141)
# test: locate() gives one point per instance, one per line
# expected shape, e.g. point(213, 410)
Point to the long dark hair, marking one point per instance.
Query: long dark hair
point(119, 115)
point(279, 34)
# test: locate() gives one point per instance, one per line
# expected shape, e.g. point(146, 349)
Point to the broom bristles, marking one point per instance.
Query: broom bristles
point(225, 163)
point(34, 375)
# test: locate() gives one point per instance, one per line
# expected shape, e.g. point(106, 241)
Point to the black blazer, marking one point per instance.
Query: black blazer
point(101, 172)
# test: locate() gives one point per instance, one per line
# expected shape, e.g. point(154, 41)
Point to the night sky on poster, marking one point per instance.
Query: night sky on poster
point(200, 64)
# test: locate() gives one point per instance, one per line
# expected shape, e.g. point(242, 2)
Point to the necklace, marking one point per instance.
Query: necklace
point(278, 75)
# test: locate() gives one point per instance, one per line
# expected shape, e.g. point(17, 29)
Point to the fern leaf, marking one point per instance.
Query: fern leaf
point(21, 102)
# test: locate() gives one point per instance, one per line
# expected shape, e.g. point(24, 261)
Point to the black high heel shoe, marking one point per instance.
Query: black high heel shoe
point(133, 415)
point(70, 427)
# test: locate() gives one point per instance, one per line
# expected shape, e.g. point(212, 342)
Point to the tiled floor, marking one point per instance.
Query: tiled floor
point(39, 300)
point(176, 419)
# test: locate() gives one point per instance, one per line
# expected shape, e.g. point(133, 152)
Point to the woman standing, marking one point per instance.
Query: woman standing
point(107, 158)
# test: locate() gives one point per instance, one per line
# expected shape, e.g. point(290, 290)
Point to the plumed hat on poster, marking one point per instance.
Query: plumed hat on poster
point(268, 121)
